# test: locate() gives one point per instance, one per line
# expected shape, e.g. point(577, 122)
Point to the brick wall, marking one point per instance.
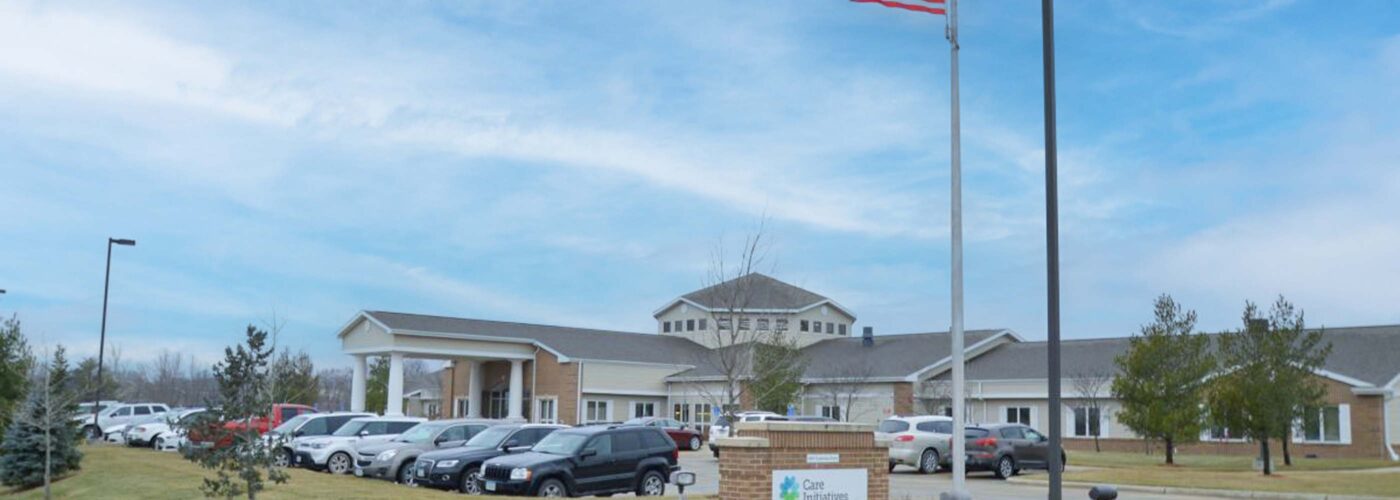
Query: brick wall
point(559, 380)
point(746, 463)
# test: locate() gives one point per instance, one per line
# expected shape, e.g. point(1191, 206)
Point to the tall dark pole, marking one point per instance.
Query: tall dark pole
point(1052, 246)
point(102, 342)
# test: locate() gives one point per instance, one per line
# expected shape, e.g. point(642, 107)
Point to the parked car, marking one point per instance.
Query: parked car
point(721, 425)
point(595, 460)
point(393, 460)
point(460, 468)
point(336, 453)
point(84, 412)
point(303, 427)
point(684, 436)
point(146, 433)
point(203, 436)
point(921, 442)
point(178, 436)
point(811, 418)
point(120, 414)
point(1006, 449)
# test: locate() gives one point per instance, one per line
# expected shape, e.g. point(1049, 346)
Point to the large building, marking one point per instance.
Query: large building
point(559, 374)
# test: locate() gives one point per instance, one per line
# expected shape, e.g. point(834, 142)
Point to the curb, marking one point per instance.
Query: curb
point(1204, 492)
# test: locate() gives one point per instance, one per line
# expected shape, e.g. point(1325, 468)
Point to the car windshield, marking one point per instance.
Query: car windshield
point(490, 438)
point(290, 425)
point(351, 428)
point(560, 443)
point(420, 433)
point(892, 426)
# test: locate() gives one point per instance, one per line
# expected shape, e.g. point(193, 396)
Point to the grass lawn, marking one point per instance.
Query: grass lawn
point(1335, 476)
point(118, 472)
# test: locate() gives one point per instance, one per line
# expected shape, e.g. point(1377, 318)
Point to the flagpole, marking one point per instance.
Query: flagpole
point(1052, 247)
point(959, 442)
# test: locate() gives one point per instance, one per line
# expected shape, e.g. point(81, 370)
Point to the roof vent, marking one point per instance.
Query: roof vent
point(867, 338)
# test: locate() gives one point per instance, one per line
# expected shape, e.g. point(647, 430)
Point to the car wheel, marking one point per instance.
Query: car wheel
point(891, 466)
point(652, 485)
point(339, 463)
point(471, 483)
point(155, 442)
point(92, 432)
point(552, 488)
point(928, 463)
point(405, 474)
point(1005, 468)
point(282, 459)
point(694, 443)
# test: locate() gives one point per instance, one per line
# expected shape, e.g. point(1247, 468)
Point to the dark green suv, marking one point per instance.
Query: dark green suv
point(599, 460)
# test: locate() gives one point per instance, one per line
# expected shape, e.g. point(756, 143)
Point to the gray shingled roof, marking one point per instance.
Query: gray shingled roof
point(1368, 353)
point(754, 291)
point(891, 356)
point(582, 343)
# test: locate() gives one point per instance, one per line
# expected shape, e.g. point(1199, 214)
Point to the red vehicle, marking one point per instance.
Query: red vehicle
point(686, 438)
point(281, 412)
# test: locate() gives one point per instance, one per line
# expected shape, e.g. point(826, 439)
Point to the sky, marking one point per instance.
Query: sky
point(548, 163)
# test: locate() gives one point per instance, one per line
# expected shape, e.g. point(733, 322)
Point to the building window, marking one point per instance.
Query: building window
point(743, 324)
point(666, 327)
point(830, 327)
point(763, 324)
point(461, 407)
point(1018, 415)
point(679, 325)
point(680, 411)
point(841, 329)
point(780, 325)
point(596, 411)
point(1086, 422)
point(643, 409)
point(832, 412)
point(722, 323)
point(802, 325)
point(1328, 424)
point(690, 325)
point(431, 410)
point(702, 324)
point(548, 412)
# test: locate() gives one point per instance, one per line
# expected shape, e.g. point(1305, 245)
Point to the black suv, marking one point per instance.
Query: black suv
point(1005, 449)
point(460, 468)
point(599, 460)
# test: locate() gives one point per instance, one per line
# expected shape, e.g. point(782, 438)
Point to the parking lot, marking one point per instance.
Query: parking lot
point(904, 483)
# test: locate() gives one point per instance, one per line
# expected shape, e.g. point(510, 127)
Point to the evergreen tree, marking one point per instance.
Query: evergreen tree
point(1270, 380)
point(777, 373)
point(41, 442)
point(15, 363)
point(1162, 378)
point(294, 379)
point(243, 379)
point(377, 387)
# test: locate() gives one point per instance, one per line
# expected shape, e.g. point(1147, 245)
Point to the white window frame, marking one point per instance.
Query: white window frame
point(460, 406)
point(553, 403)
point(1343, 423)
point(1030, 413)
point(632, 407)
point(1089, 423)
point(588, 415)
point(831, 411)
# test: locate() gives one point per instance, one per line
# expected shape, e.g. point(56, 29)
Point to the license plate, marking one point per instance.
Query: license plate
point(490, 486)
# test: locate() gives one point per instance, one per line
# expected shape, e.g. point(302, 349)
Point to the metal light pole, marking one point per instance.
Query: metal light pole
point(1052, 247)
point(959, 442)
point(102, 342)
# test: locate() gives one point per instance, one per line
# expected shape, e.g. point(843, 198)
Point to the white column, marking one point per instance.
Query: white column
point(517, 390)
point(476, 375)
point(395, 392)
point(357, 384)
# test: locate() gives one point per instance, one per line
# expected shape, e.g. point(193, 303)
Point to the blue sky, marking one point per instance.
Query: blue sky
point(546, 163)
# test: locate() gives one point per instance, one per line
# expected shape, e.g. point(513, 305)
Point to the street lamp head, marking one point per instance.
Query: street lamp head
point(126, 242)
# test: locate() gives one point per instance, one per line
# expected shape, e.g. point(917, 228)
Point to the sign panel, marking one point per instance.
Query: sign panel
point(823, 458)
point(820, 484)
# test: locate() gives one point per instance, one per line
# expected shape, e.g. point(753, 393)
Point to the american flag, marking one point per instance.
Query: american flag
point(938, 10)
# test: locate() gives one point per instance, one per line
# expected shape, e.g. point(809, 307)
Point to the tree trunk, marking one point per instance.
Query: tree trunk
point(1171, 451)
point(1287, 457)
point(1096, 444)
point(1264, 455)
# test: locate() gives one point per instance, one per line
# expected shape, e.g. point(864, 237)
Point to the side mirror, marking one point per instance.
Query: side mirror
point(298, 433)
point(364, 433)
point(512, 443)
point(587, 453)
point(1043, 439)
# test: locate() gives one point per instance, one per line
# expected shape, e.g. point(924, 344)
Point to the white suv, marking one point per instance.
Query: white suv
point(303, 428)
point(921, 442)
point(721, 425)
point(335, 453)
point(116, 417)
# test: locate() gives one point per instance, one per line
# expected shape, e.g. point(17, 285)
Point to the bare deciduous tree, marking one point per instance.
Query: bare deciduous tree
point(846, 386)
point(935, 396)
point(1091, 388)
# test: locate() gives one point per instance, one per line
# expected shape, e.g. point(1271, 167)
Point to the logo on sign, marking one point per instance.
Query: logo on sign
point(820, 484)
point(789, 488)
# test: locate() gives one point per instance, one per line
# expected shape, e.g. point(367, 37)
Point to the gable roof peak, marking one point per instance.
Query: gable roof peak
point(754, 291)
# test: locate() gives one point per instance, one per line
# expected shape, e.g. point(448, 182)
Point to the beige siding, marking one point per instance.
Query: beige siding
point(604, 377)
point(870, 404)
point(366, 335)
point(685, 313)
point(620, 407)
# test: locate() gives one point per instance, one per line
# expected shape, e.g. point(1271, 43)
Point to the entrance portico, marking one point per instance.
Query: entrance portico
point(364, 337)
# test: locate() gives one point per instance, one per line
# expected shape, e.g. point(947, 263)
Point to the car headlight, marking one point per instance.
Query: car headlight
point(447, 463)
point(386, 455)
point(317, 446)
point(520, 474)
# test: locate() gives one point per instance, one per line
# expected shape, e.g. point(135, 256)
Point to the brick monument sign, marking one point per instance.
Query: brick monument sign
point(803, 461)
